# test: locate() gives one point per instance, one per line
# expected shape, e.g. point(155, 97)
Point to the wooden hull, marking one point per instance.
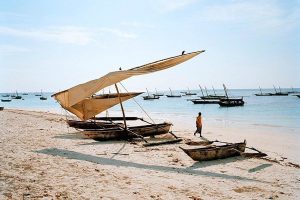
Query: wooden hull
point(43, 98)
point(119, 134)
point(279, 94)
point(298, 96)
point(17, 97)
point(5, 100)
point(173, 96)
point(91, 125)
point(216, 152)
point(205, 101)
point(230, 102)
point(266, 94)
point(150, 97)
point(1, 108)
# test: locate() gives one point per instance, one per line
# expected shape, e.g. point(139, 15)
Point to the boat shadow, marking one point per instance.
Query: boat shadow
point(120, 163)
point(71, 136)
point(203, 164)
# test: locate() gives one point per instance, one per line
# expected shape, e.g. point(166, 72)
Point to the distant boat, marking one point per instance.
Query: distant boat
point(292, 92)
point(263, 94)
point(150, 97)
point(172, 95)
point(6, 95)
point(230, 102)
point(298, 96)
point(25, 94)
point(16, 96)
point(189, 93)
point(42, 96)
point(203, 101)
point(158, 94)
point(279, 93)
point(5, 100)
point(210, 97)
point(216, 152)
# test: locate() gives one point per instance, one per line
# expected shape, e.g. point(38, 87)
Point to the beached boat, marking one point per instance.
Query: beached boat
point(1, 108)
point(91, 124)
point(80, 100)
point(171, 95)
point(130, 132)
point(216, 152)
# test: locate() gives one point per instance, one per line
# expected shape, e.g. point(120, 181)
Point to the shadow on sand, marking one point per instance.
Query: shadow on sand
point(121, 163)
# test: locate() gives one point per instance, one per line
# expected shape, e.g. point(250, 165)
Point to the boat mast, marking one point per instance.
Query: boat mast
point(225, 90)
point(124, 118)
point(260, 90)
point(147, 92)
point(201, 90)
point(206, 90)
point(274, 88)
point(156, 91)
point(171, 91)
point(214, 90)
point(279, 89)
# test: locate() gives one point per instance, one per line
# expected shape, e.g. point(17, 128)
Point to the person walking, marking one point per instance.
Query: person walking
point(199, 124)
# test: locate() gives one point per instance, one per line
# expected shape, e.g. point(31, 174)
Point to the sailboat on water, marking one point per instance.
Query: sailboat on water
point(230, 101)
point(158, 94)
point(173, 95)
point(150, 97)
point(42, 96)
point(80, 101)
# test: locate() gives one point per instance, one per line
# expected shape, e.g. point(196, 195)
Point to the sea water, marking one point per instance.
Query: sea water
point(269, 111)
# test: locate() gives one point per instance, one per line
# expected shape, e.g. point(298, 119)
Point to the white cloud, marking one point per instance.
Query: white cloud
point(11, 50)
point(67, 34)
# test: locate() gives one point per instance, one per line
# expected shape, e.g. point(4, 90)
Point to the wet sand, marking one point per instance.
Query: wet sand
point(41, 158)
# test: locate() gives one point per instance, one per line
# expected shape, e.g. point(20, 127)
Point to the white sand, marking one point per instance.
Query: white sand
point(41, 158)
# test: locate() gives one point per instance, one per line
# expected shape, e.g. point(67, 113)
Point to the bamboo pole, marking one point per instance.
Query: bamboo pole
point(124, 118)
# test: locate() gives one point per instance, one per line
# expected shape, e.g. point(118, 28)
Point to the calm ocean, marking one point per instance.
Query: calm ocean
point(272, 111)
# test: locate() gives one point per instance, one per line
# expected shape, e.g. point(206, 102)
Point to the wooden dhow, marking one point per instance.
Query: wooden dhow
point(80, 101)
point(216, 152)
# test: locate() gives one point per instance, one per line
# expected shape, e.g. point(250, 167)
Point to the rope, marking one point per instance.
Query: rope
point(138, 104)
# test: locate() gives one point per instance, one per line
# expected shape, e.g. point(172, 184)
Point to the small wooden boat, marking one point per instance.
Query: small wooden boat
point(202, 101)
point(131, 132)
point(91, 124)
point(189, 93)
point(150, 97)
point(1, 108)
point(25, 94)
point(230, 102)
point(5, 100)
point(210, 97)
point(171, 95)
point(298, 96)
point(158, 94)
point(216, 152)
point(262, 94)
point(43, 98)
point(279, 93)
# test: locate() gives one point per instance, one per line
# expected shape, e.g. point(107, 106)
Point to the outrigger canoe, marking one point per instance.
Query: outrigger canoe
point(120, 133)
point(216, 152)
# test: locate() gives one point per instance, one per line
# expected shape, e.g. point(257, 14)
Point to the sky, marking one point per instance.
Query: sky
point(56, 44)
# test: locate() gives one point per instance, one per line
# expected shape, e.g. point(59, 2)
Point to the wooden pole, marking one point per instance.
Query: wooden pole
point(124, 118)
point(225, 90)
point(214, 90)
point(206, 90)
point(201, 90)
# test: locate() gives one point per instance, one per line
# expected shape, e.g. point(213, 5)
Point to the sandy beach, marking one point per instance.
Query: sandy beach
point(41, 158)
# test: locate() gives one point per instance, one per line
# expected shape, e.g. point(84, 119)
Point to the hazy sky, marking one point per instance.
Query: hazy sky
point(53, 45)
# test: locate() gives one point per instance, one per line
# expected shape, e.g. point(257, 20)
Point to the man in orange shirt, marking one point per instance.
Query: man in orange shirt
point(199, 124)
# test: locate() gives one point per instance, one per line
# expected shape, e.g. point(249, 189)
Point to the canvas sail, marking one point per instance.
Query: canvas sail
point(90, 107)
point(76, 94)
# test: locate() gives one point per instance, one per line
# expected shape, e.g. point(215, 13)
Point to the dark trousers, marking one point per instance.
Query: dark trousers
point(199, 130)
